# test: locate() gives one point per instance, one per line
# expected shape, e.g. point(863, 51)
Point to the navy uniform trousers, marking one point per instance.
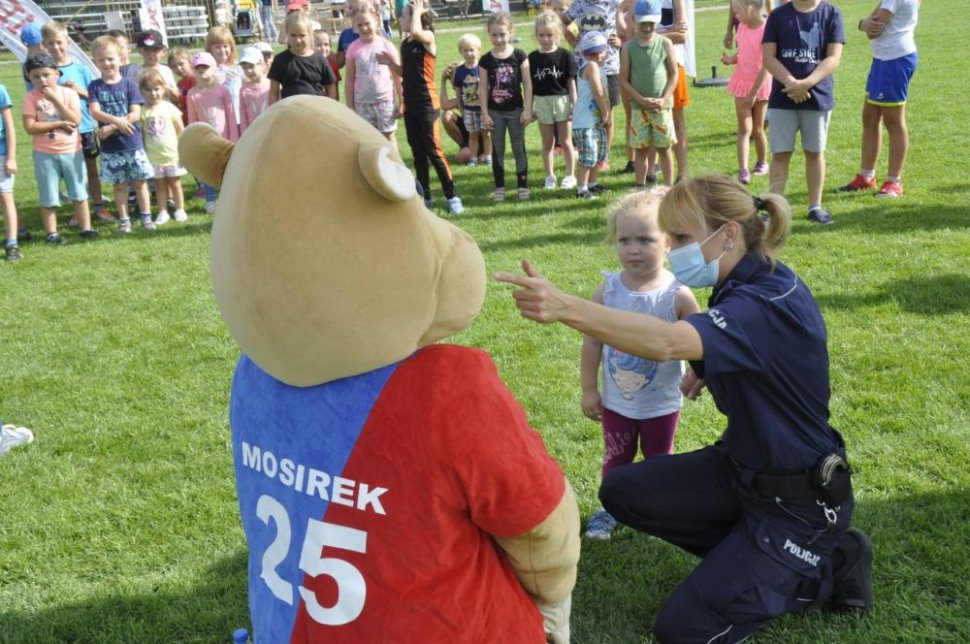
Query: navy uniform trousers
point(761, 557)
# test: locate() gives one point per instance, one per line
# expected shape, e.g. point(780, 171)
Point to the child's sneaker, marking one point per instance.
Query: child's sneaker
point(162, 218)
point(55, 240)
point(210, 207)
point(892, 189)
point(568, 182)
point(147, 223)
point(600, 526)
point(124, 226)
point(455, 206)
point(651, 180)
point(181, 215)
point(13, 253)
point(629, 168)
point(858, 184)
point(524, 194)
point(557, 149)
point(585, 194)
point(550, 183)
point(597, 188)
point(819, 215)
point(24, 235)
point(744, 176)
point(603, 165)
point(90, 233)
point(74, 222)
point(487, 159)
point(102, 213)
point(760, 168)
point(499, 195)
point(472, 163)
point(12, 436)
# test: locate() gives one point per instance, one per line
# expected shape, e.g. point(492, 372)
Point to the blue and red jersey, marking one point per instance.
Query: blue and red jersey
point(368, 502)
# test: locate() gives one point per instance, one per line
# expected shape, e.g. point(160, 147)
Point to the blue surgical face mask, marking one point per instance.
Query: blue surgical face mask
point(689, 266)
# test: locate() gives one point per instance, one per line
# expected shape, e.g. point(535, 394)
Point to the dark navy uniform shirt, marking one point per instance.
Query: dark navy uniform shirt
point(766, 365)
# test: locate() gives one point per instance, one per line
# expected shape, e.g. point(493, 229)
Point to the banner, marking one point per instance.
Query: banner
point(14, 16)
point(151, 17)
point(494, 6)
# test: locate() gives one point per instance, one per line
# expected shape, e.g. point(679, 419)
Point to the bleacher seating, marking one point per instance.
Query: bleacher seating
point(186, 21)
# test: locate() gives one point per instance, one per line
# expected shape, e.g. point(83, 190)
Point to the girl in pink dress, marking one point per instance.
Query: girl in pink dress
point(750, 85)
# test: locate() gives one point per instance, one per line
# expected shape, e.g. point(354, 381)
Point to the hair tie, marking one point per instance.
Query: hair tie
point(759, 203)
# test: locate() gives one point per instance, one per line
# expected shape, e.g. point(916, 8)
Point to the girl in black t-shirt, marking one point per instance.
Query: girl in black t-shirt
point(506, 83)
point(553, 72)
point(300, 69)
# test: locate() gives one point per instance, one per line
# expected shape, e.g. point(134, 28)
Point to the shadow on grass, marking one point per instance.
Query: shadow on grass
point(921, 582)
point(888, 217)
point(920, 573)
point(928, 296)
point(207, 612)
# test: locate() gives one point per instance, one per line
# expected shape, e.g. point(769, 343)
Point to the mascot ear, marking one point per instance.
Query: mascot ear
point(389, 178)
point(204, 153)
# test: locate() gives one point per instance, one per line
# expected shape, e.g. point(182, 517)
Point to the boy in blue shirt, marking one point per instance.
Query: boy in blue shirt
point(801, 48)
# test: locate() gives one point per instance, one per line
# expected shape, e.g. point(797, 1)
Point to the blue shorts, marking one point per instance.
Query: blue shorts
point(125, 166)
point(888, 81)
point(51, 168)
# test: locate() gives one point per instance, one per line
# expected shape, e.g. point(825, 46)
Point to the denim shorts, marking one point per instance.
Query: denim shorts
point(51, 168)
point(125, 166)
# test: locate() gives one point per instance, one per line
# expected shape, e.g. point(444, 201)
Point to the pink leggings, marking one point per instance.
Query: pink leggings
point(620, 437)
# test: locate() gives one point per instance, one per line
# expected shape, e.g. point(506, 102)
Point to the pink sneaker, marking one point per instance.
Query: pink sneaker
point(604, 165)
point(744, 176)
point(760, 168)
point(892, 189)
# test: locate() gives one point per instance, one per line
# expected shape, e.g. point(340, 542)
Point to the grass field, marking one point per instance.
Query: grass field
point(119, 523)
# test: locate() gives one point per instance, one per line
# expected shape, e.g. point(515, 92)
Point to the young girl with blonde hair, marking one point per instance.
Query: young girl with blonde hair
point(220, 43)
point(750, 85)
point(300, 69)
point(640, 400)
point(553, 72)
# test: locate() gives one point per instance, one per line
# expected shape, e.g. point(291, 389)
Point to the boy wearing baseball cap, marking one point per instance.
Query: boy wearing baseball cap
point(152, 47)
point(591, 114)
point(648, 76)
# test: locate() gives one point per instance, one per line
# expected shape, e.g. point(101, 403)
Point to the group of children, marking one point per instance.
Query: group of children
point(131, 117)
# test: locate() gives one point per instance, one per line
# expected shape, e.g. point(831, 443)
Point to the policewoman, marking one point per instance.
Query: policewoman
point(768, 507)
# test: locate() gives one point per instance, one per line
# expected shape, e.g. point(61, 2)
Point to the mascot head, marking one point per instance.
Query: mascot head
point(325, 262)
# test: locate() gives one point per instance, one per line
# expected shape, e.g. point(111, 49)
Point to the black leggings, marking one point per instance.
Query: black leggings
point(422, 132)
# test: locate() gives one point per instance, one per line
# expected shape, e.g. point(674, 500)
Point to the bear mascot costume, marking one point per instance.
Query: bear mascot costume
point(391, 489)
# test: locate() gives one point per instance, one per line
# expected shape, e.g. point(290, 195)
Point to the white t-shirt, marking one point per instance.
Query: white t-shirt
point(684, 51)
point(897, 39)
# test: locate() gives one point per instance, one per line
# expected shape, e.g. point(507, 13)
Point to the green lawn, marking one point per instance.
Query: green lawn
point(119, 523)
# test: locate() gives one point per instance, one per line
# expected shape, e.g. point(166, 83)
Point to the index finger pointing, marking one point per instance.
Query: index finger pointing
point(511, 278)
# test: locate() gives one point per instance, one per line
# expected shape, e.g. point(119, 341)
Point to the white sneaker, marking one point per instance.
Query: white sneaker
point(210, 207)
point(162, 218)
point(550, 183)
point(12, 436)
point(568, 182)
point(181, 215)
point(455, 206)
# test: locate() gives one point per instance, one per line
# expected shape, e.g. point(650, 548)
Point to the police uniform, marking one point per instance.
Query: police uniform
point(744, 504)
